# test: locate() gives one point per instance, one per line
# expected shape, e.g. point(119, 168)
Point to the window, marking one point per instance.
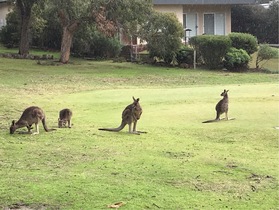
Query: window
point(190, 22)
point(220, 24)
point(214, 23)
point(209, 23)
point(2, 23)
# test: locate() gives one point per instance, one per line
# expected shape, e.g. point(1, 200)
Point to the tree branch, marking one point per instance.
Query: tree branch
point(63, 18)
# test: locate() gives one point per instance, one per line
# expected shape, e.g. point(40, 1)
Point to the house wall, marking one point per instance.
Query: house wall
point(4, 10)
point(176, 9)
point(200, 10)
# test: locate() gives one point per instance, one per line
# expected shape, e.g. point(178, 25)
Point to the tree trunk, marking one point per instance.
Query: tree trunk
point(66, 44)
point(69, 28)
point(25, 10)
point(24, 36)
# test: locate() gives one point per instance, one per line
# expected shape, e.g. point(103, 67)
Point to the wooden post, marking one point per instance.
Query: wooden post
point(195, 55)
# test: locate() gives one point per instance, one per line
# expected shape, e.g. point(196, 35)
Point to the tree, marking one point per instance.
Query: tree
point(25, 11)
point(258, 21)
point(70, 14)
point(265, 53)
point(272, 23)
point(10, 33)
point(107, 15)
point(163, 34)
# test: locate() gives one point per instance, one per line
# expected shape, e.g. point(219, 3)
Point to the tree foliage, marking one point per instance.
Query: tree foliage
point(107, 16)
point(163, 33)
point(258, 21)
point(10, 33)
point(53, 24)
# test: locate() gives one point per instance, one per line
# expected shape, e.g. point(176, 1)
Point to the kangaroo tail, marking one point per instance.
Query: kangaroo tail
point(45, 126)
point(123, 124)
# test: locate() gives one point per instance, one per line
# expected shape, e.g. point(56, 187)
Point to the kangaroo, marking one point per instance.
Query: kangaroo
point(221, 107)
point(30, 116)
point(65, 115)
point(130, 115)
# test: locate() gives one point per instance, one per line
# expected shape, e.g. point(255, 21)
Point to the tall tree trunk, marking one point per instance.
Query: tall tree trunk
point(69, 28)
point(66, 44)
point(24, 36)
point(25, 10)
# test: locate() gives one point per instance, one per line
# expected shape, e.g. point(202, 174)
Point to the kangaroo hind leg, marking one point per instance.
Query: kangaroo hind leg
point(135, 131)
point(37, 129)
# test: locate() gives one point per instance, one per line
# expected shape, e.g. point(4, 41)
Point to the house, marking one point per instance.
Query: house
point(4, 10)
point(201, 16)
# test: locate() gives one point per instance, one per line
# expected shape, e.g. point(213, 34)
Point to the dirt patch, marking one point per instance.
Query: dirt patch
point(22, 206)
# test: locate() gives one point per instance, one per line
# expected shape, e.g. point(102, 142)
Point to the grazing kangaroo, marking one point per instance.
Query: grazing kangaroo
point(65, 115)
point(30, 116)
point(130, 115)
point(221, 107)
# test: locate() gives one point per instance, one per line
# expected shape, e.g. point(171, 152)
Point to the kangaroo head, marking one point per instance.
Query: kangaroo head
point(137, 110)
point(61, 123)
point(224, 93)
point(13, 127)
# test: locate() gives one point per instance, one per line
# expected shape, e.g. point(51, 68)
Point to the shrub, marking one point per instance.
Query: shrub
point(236, 60)
point(244, 41)
point(185, 55)
point(106, 47)
point(88, 42)
point(212, 48)
point(265, 53)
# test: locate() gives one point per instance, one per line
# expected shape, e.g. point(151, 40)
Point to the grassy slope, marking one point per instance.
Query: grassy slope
point(180, 164)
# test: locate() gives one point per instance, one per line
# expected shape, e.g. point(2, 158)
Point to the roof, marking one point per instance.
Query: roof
point(194, 2)
point(3, 1)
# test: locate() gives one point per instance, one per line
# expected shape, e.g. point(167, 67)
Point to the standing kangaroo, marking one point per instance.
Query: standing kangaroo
point(130, 115)
point(221, 107)
point(29, 116)
point(65, 116)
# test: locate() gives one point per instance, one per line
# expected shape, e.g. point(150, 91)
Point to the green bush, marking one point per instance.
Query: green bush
point(236, 60)
point(244, 41)
point(185, 55)
point(212, 48)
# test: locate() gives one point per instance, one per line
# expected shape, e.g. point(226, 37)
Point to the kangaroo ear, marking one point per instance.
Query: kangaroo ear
point(135, 100)
point(13, 122)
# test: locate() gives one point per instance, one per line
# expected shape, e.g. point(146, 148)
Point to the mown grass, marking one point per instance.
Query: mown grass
point(179, 164)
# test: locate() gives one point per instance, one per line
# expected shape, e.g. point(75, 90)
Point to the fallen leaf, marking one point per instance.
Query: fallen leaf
point(116, 205)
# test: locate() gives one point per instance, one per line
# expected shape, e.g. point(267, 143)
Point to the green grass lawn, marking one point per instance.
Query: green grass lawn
point(180, 163)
